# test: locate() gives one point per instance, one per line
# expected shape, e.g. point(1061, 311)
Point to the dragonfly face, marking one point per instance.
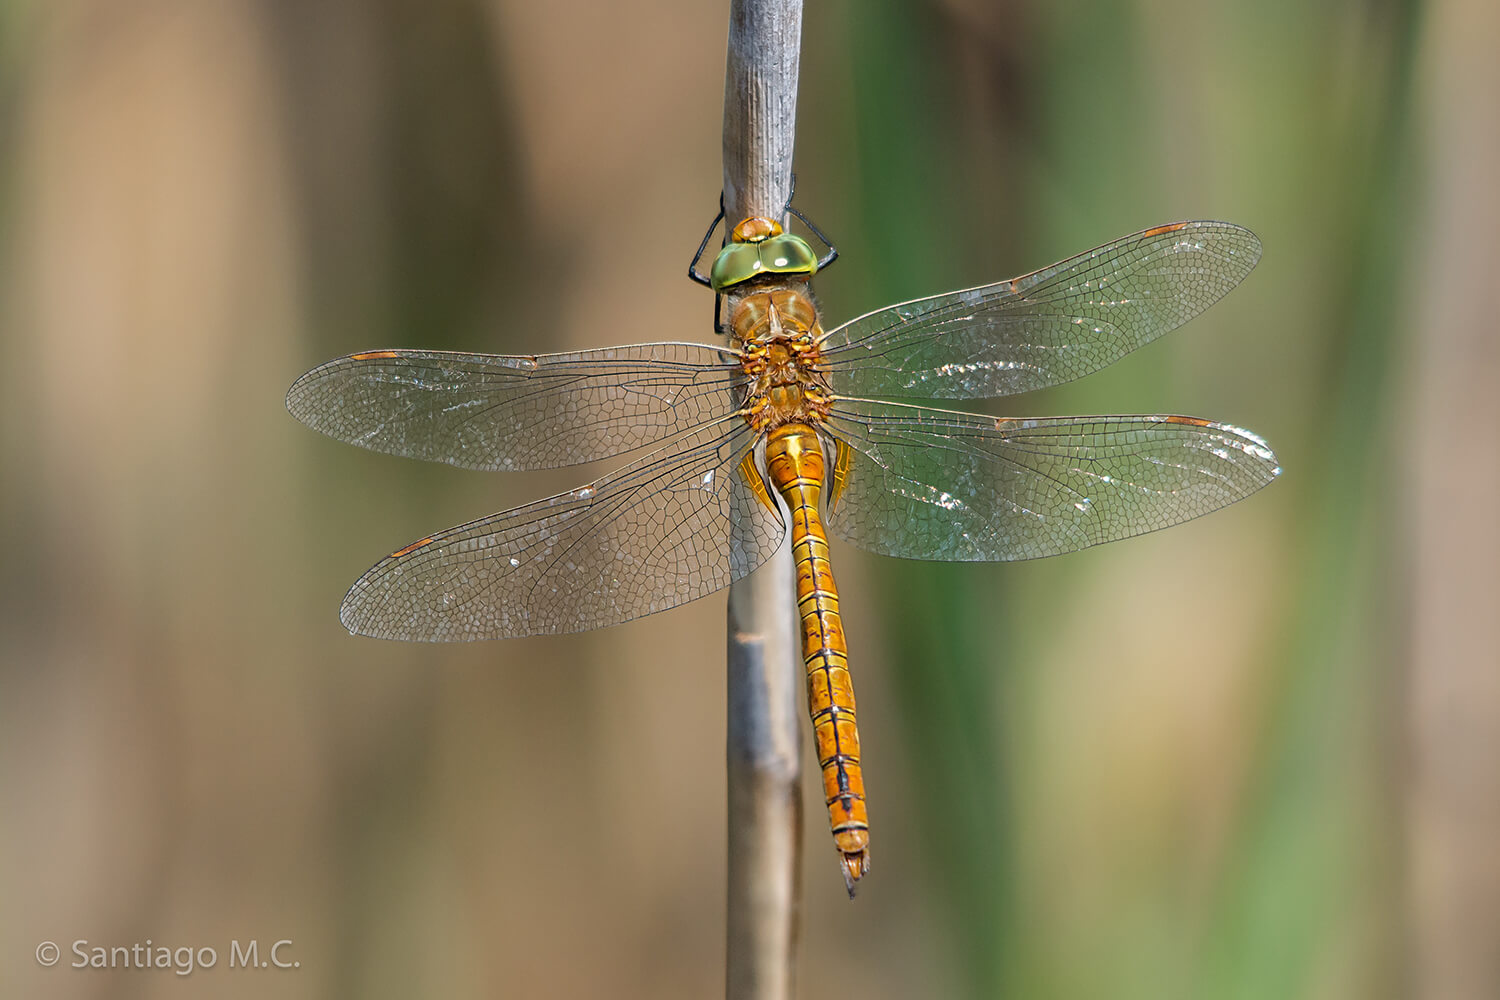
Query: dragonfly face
point(829, 421)
point(757, 247)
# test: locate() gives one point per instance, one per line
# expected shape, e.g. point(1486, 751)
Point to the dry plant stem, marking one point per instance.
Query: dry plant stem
point(765, 676)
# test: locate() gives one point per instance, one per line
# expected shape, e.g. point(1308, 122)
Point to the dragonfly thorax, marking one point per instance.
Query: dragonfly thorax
point(778, 335)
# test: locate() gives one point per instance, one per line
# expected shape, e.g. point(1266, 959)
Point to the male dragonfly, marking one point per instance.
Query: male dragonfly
point(823, 419)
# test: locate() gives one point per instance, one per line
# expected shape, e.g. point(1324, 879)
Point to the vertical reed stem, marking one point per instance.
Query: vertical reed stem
point(765, 712)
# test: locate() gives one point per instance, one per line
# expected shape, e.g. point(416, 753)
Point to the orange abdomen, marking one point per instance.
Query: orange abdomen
point(794, 463)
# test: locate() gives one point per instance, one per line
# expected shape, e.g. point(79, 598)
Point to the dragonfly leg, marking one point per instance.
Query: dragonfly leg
point(703, 279)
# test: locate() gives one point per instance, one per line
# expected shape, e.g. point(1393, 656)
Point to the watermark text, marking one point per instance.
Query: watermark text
point(181, 960)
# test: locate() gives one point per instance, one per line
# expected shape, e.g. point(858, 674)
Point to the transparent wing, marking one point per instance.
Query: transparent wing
point(677, 525)
point(490, 411)
point(933, 484)
point(1048, 327)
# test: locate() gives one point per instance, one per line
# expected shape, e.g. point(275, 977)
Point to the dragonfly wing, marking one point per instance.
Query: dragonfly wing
point(933, 484)
point(676, 525)
point(490, 411)
point(1048, 327)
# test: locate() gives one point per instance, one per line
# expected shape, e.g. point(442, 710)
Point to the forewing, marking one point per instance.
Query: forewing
point(933, 484)
point(490, 411)
point(677, 525)
point(1048, 327)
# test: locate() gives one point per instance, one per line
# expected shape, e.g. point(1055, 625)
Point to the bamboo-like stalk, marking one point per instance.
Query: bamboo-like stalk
point(765, 710)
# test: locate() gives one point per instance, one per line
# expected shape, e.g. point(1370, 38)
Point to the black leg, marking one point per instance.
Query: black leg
point(693, 264)
point(833, 253)
point(719, 326)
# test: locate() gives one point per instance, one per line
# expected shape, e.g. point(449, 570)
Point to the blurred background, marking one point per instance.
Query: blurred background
point(1250, 757)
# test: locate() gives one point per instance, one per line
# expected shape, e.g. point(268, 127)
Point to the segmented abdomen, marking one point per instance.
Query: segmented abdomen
point(794, 462)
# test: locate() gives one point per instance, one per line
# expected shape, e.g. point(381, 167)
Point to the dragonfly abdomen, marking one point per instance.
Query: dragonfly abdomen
point(794, 463)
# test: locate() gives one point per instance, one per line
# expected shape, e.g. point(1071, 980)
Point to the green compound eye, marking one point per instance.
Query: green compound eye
point(788, 254)
point(736, 263)
point(780, 254)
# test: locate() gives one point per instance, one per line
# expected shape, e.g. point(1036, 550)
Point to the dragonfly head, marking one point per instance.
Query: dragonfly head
point(760, 246)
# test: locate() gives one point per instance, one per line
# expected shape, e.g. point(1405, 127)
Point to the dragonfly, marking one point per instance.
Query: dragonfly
point(785, 427)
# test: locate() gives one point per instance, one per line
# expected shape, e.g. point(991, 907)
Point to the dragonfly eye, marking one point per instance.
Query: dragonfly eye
point(736, 264)
point(788, 254)
point(780, 254)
